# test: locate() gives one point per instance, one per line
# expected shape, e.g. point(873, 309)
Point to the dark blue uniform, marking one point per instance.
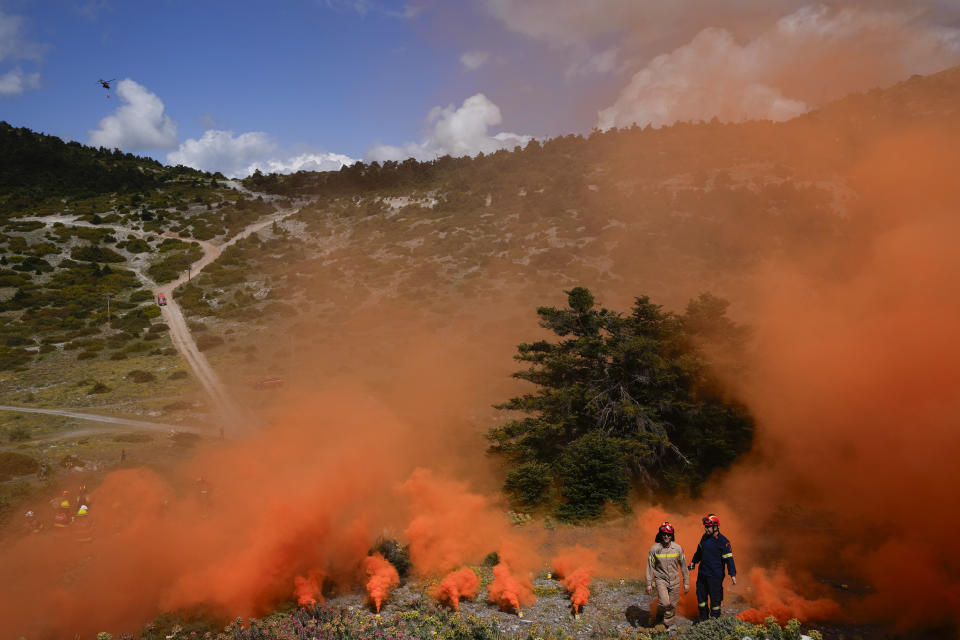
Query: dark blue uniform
point(714, 555)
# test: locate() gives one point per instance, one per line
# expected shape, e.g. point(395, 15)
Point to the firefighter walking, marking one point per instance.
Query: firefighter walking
point(715, 556)
point(666, 569)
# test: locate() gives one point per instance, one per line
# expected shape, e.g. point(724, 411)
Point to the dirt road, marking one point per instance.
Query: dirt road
point(233, 418)
point(127, 422)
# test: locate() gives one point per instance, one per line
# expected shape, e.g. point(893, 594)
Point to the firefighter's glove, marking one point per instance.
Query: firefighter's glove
point(691, 566)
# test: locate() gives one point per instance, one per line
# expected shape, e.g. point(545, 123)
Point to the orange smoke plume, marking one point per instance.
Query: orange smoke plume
point(774, 595)
point(463, 583)
point(450, 525)
point(382, 577)
point(575, 567)
point(510, 592)
point(308, 589)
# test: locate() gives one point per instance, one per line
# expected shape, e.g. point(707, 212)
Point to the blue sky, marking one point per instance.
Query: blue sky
point(235, 86)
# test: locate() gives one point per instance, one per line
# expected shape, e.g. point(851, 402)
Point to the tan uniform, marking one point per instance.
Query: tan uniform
point(666, 568)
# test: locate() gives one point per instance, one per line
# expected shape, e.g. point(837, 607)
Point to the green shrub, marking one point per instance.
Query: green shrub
point(13, 358)
point(118, 355)
point(179, 405)
point(141, 295)
point(92, 253)
point(19, 433)
point(205, 342)
point(86, 355)
point(528, 482)
point(395, 552)
point(133, 437)
point(140, 376)
point(185, 439)
point(13, 463)
point(98, 387)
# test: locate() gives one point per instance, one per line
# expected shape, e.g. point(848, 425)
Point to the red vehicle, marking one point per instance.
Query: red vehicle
point(161, 300)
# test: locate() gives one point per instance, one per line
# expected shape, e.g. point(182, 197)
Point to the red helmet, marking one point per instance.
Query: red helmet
point(666, 527)
point(711, 520)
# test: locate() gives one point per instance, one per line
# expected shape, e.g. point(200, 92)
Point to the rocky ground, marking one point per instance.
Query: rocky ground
point(613, 607)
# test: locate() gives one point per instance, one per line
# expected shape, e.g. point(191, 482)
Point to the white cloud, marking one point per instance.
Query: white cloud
point(12, 43)
point(473, 60)
point(304, 162)
point(810, 56)
point(140, 123)
point(457, 132)
point(15, 82)
point(239, 156)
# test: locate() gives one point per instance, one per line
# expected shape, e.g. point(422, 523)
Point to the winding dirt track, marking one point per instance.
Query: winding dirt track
point(233, 417)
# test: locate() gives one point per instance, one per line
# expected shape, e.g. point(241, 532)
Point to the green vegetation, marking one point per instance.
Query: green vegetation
point(425, 620)
point(177, 256)
point(620, 400)
point(14, 464)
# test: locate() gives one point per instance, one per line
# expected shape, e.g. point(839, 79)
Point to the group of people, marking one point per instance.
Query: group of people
point(667, 570)
point(67, 515)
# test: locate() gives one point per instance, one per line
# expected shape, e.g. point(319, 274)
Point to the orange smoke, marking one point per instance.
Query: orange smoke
point(463, 583)
point(510, 592)
point(575, 567)
point(382, 577)
point(308, 589)
point(450, 525)
point(855, 382)
point(512, 587)
point(775, 596)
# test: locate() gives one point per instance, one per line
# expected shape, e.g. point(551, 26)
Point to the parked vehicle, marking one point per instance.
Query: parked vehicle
point(161, 300)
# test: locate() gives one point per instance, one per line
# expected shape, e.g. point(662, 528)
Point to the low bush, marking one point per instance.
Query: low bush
point(140, 376)
point(19, 433)
point(185, 439)
point(13, 463)
point(141, 295)
point(396, 553)
point(206, 341)
point(98, 387)
point(133, 437)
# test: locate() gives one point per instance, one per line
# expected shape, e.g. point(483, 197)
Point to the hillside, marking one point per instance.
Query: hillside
point(365, 321)
point(465, 243)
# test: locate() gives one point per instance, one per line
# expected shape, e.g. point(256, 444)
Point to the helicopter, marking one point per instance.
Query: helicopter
point(106, 84)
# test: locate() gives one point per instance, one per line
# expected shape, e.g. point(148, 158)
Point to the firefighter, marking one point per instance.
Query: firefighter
point(715, 556)
point(62, 518)
point(82, 525)
point(83, 498)
point(666, 566)
point(32, 522)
